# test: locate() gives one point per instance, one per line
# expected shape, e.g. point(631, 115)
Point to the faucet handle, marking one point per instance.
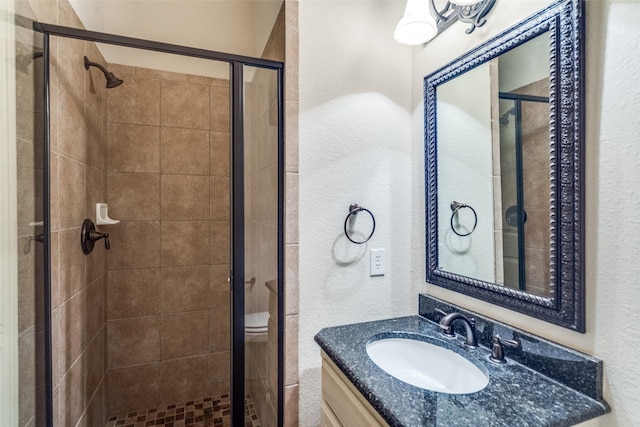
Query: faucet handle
point(497, 351)
point(446, 331)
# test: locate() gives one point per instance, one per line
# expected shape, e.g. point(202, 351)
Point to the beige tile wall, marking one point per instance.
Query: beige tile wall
point(76, 184)
point(291, 207)
point(168, 183)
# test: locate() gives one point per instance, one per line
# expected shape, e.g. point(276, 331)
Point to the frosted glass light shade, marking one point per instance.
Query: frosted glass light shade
point(417, 26)
point(465, 2)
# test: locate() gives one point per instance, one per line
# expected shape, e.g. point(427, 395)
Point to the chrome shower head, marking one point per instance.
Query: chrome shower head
point(112, 81)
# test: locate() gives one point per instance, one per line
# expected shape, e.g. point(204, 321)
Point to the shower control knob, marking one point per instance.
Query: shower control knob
point(89, 236)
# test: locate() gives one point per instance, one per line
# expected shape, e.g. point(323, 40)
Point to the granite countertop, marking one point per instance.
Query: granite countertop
point(516, 395)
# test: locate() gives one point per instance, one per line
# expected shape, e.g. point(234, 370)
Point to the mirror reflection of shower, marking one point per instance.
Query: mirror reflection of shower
point(524, 137)
point(112, 81)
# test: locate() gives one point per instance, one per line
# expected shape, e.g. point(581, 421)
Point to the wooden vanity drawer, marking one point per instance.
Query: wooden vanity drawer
point(343, 405)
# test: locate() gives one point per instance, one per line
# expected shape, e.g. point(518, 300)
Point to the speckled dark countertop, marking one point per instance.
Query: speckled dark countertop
point(516, 395)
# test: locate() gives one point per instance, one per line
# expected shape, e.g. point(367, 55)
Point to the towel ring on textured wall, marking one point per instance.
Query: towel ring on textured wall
point(455, 207)
point(354, 208)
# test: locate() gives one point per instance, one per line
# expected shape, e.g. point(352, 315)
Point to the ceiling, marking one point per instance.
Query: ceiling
point(233, 26)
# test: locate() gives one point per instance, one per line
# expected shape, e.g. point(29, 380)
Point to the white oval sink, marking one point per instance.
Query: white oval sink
point(427, 365)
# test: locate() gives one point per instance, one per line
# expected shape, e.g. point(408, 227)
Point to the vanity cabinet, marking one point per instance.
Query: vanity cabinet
point(342, 403)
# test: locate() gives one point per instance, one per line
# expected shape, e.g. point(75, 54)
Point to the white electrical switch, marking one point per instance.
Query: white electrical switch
point(377, 262)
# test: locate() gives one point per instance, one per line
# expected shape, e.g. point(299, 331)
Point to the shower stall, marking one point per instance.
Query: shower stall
point(175, 317)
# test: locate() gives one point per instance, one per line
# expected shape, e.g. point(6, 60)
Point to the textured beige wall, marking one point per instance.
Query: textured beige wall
point(168, 184)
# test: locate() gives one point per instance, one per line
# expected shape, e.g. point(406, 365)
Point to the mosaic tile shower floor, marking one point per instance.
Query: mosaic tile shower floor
point(207, 412)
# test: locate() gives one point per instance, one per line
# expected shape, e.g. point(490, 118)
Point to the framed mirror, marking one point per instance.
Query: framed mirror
point(504, 128)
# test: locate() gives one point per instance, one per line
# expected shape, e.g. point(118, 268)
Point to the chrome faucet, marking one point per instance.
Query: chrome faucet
point(446, 321)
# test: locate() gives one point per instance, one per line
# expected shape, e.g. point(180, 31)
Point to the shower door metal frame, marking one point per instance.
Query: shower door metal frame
point(237, 276)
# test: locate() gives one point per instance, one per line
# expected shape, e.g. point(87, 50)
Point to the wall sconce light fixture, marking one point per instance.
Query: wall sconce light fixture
point(422, 20)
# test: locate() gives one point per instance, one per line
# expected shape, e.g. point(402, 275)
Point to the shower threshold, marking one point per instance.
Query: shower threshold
point(207, 412)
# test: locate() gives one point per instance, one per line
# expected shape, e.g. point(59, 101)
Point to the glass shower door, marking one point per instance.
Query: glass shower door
point(23, 239)
point(262, 237)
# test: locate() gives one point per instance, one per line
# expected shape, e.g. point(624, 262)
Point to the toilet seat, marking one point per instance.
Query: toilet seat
point(256, 326)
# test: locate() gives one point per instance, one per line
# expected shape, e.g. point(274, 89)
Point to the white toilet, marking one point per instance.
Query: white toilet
point(256, 326)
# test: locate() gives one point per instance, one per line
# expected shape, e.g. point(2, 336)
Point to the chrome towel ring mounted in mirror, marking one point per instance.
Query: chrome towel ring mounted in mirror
point(455, 207)
point(354, 208)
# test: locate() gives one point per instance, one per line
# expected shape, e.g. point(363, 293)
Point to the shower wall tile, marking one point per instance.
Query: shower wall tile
point(71, 196)
point(160, 74)
point(536, 187)
point(219, 108)
point(291, 399)
point(134, 245)
point(184, 243)
point(291, 208)
point(184, 289)
point(184, 105)
point(220, 242)
point(94, 365)
point(122, 70)
point(70, 63)
point(71, 125)
point(72, 330)
point(536, 228)
point(26, 394)
point(56, 338)
point(72, 394)
point(133, 196)
point(139, 333)
point(219, 282)
point(133, 388)
point(26, 291)
point(185, 198)
point(175, 343)
point(54, 192)
point(95, 306)
point(29, 192)
point(135, 101)
point(95, 407)
point(94, 81)
point(133, 148)
point(191, 288)
point(220, 194)
point(94, 192)
point(220, 153)
point(187, 379)
point(292, 304)
point(133, 293)
point(204, 80)
point(184, 151)
point(94, 150)
point(219, 372)
point(53, 106)
point(71, 265)
point(292, 111)
point(291, 350)
point(220, 330)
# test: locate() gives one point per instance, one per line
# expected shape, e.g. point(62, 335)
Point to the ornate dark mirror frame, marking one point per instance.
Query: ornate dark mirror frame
point(565, 306)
